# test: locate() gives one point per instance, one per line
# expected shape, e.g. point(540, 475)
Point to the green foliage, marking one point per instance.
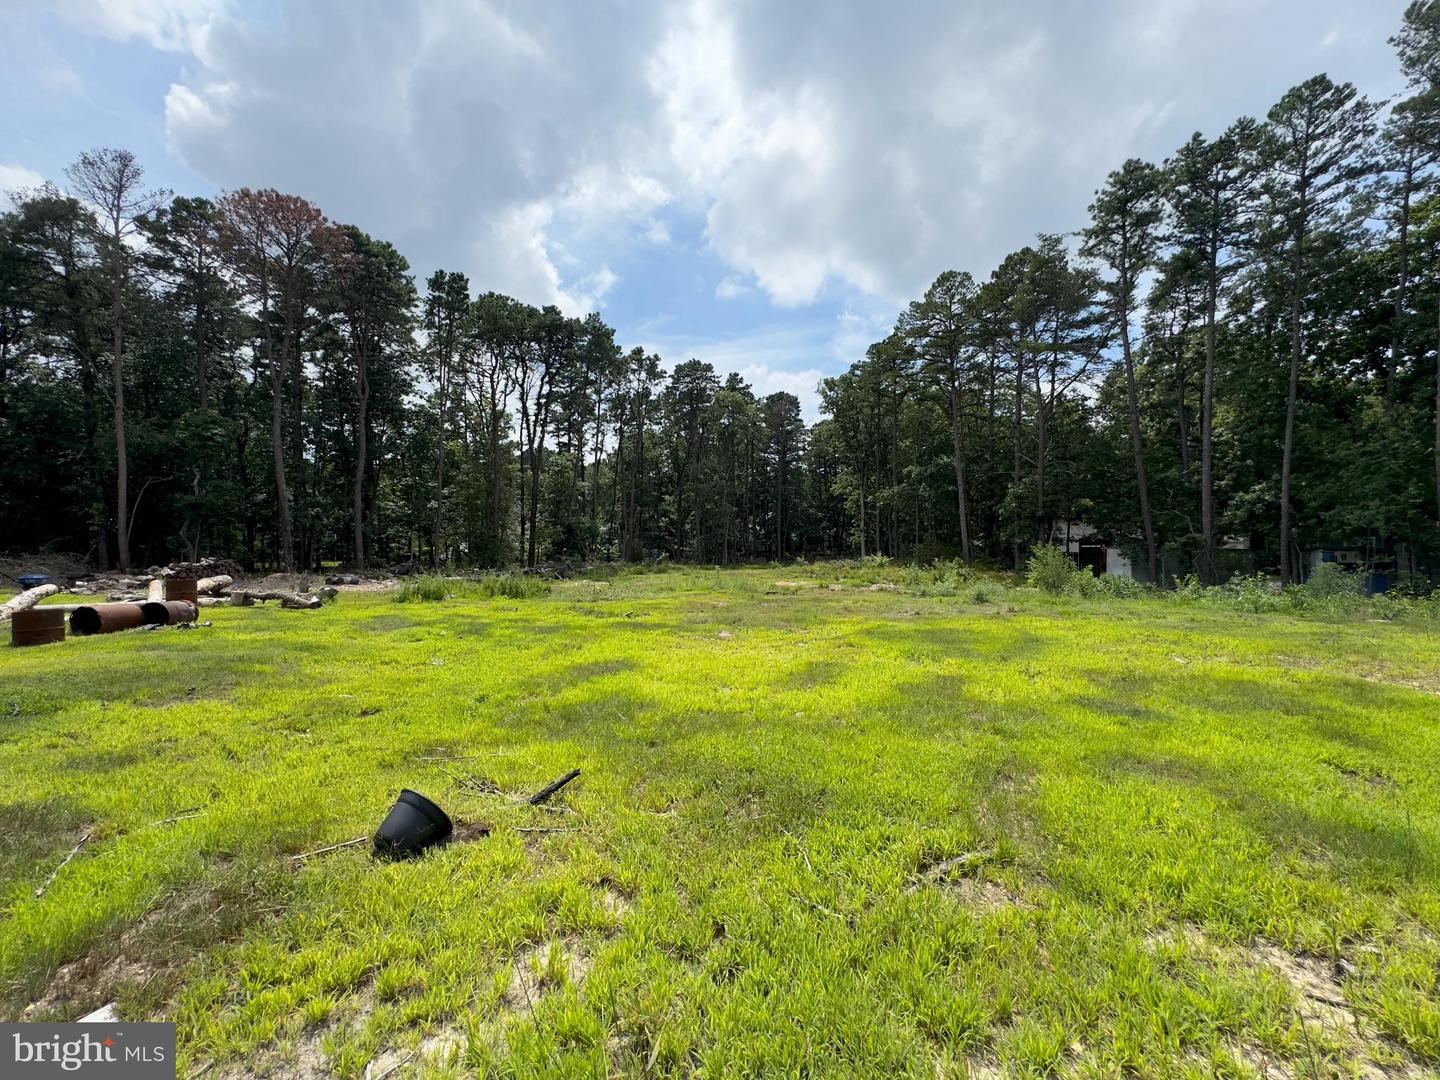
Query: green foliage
point(423, 590)
point(1053, 571)
point(948, 830)
point(484, 587)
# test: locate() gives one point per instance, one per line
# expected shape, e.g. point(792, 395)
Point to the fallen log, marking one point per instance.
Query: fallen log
point(297, 601)
point(27, 599)
point(213, 584)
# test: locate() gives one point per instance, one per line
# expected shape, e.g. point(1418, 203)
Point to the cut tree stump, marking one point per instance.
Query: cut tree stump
point(208, 585)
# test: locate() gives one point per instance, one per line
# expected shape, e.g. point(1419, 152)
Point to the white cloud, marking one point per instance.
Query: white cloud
point(169, 25)
point(16, 178)
point(830, 151)
point(731, 286)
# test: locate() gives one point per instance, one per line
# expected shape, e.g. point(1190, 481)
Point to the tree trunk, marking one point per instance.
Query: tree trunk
point(1136, 445)
point(362, 388)
point(1292, 394)
point(122, 469)
point(1208, 570)
point(1015, 458)
point(1392, 368)
point(444, 390)
point(957, 447)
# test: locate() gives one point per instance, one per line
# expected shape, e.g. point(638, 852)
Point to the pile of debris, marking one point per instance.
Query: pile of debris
point(121, 587)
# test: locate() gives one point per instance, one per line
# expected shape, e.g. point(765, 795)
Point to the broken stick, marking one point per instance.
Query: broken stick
point(56, 872)
point(544, 794)
point(333, 847)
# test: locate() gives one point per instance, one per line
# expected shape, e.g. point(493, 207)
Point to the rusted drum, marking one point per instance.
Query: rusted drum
point(38, 626)
point(168, 612)
point(181, 589)
point(104, 618)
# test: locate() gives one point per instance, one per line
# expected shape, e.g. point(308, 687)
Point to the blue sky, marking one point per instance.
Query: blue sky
point(758, 185)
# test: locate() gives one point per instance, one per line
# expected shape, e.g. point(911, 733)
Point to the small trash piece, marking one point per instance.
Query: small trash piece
point(542, 796)
point(106, 1014)
point(413, 824)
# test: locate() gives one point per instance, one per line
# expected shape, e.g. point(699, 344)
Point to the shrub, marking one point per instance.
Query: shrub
point(422, 590)
point(510, 586)
point(985, 591)
point(1052, 571)
point(487, 586)
point(1328, 581)
point(1122, 588)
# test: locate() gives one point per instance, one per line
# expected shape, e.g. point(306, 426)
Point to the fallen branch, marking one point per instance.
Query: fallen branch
point(27, 599)
point(299, 601)
point(184, 815)
point(333, 847)
point(544, 794)
point(63, 862)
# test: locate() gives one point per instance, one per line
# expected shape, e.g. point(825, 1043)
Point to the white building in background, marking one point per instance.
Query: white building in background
point(1079, 541)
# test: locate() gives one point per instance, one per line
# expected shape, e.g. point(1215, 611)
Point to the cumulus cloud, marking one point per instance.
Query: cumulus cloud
point(828, 148)
point(171, 25)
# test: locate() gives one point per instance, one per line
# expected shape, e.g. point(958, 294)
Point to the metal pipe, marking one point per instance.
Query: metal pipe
point(168, 612)
point(104, 618)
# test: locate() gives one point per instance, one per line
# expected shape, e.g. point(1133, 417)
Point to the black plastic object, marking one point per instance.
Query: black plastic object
point(413, 824)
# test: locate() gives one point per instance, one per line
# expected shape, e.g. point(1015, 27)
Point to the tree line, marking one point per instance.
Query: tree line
point(1242, 342)
point(1240, 349)
point(243, 377)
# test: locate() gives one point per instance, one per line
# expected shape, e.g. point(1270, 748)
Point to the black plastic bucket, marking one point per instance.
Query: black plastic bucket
point(413, 824)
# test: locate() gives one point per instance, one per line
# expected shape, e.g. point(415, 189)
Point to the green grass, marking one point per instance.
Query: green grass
point(823, 829)
point(484, 587)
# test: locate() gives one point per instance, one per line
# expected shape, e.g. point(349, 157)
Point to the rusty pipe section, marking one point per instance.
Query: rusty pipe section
point(168, 612)
point(105, 618)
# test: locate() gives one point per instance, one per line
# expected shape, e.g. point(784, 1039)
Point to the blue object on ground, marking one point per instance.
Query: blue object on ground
point(30, 581)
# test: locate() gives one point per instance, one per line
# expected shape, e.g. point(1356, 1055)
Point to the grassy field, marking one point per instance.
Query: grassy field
point(821, 830)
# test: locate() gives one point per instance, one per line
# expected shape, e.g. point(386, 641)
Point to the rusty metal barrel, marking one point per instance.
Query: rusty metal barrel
point(104, 618)
point(38, 626)
point(168, 612)
point(181, 589)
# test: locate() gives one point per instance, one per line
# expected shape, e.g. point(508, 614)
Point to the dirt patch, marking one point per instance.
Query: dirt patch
point(1316, 981)
point(981, 1069)
point(1188, 934)
point(964, 878)
point(469, 831)
point(535, 970)
point(86, 984)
